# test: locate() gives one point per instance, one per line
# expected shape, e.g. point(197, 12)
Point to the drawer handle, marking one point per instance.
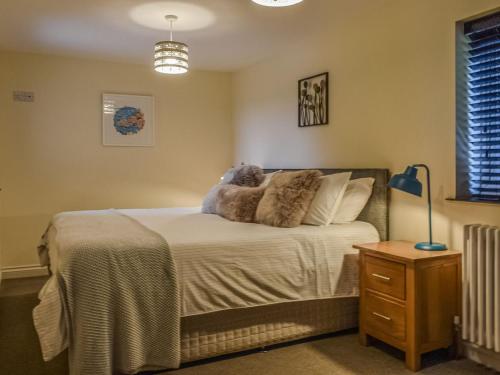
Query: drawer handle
point(381, 277)
point(381, 316)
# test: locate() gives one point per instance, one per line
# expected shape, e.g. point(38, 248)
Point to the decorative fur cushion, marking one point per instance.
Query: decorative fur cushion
point(243, 175)
point(287, 198)
point(268, 177)
point(239, 203)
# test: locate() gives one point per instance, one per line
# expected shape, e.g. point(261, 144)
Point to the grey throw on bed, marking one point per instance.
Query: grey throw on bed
point(117, 282)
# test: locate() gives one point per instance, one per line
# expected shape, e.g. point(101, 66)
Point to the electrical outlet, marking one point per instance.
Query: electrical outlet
point(24, 96)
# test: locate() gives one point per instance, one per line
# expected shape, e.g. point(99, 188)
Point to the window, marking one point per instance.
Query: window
point(478, 109)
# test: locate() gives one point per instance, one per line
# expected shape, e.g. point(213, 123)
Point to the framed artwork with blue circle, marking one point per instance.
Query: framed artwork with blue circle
point(128, 120)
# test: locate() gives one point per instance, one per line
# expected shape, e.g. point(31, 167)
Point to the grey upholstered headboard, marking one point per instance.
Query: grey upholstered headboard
point(376, 210)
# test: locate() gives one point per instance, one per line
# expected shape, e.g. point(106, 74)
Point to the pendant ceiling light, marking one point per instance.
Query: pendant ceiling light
point(277, 3)
point(171, 57)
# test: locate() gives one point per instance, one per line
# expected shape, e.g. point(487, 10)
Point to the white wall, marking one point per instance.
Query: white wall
point(392, 83)
point(392, 104)
point(51, 153)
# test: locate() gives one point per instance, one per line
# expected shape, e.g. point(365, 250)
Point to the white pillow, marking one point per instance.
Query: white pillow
point(327, 199)
point(355, 198)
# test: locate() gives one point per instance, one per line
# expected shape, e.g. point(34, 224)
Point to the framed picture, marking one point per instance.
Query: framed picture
point(128, 120)
point(313, 100)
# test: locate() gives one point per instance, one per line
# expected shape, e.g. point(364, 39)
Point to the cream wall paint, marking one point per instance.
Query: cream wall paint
point(51, 152)
point(392, 71)
point(393, 103)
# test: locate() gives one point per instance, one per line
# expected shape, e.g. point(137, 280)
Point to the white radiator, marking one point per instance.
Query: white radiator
point(481, 286)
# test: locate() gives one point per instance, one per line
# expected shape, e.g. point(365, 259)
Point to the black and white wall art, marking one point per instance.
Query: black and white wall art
point(313, 100)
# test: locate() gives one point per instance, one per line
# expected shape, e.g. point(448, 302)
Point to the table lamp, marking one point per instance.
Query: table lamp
point(409, 183)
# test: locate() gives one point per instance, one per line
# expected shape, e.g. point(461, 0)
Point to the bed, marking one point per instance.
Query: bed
point(245, 286)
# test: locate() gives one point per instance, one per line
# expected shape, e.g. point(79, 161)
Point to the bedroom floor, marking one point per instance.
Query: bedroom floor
point(338, 354)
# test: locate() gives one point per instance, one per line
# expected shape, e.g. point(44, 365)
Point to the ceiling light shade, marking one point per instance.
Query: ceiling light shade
point(171, 57)
point(277, 3)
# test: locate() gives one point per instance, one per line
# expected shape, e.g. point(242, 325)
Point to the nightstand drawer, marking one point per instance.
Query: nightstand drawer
point(387, 317)
point(385, 276)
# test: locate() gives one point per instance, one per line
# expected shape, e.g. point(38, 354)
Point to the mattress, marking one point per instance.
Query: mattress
point(225, 265)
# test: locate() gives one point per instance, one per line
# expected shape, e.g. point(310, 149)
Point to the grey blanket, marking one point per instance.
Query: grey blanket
point(117, 281)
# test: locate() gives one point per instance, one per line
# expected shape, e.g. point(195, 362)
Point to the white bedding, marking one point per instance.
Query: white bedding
point(227, 265)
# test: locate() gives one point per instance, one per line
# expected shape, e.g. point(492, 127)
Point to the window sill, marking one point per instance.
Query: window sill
point(467, 200)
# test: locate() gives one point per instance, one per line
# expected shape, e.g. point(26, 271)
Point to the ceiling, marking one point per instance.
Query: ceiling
point(223, 35)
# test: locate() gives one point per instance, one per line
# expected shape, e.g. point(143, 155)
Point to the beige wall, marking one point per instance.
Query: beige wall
point(51, 153)
point(392, 71)
point(393, 104)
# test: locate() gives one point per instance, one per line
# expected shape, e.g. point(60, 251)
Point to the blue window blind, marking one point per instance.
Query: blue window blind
point(483, 110)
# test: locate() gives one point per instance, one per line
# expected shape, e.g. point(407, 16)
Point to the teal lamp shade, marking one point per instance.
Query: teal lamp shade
point(407, 182)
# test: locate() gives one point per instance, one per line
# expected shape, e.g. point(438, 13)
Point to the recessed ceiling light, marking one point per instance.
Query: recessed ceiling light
point(277, 3)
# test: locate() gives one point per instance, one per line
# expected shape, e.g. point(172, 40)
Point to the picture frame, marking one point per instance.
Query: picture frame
point(128, 120)
point(313, 100)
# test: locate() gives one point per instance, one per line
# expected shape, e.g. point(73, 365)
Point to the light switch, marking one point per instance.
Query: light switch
point(24, 96)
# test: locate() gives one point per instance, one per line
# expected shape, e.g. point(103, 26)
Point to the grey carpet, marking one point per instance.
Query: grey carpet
point(335, 354)
point(19, 350)
point(338, 354)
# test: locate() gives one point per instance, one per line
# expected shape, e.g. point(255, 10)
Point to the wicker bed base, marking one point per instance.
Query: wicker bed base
point(231, 331)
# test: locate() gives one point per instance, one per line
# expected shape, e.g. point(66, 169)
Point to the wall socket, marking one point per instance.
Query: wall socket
point(24, 96)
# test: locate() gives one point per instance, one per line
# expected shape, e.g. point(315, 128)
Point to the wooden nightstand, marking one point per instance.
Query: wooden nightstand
point(408, 297)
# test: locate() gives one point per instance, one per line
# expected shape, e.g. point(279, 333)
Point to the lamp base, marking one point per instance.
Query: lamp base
point(434, 246)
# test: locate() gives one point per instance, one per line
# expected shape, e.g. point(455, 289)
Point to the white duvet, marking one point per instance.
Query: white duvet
point(226, 265)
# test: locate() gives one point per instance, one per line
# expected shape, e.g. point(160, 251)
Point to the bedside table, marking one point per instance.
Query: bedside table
point(408, 297)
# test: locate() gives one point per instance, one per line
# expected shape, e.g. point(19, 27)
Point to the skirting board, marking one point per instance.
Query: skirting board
point(20, 272)
point(481, 355)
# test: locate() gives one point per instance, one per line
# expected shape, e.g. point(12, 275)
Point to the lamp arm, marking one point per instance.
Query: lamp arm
point(428, 196)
